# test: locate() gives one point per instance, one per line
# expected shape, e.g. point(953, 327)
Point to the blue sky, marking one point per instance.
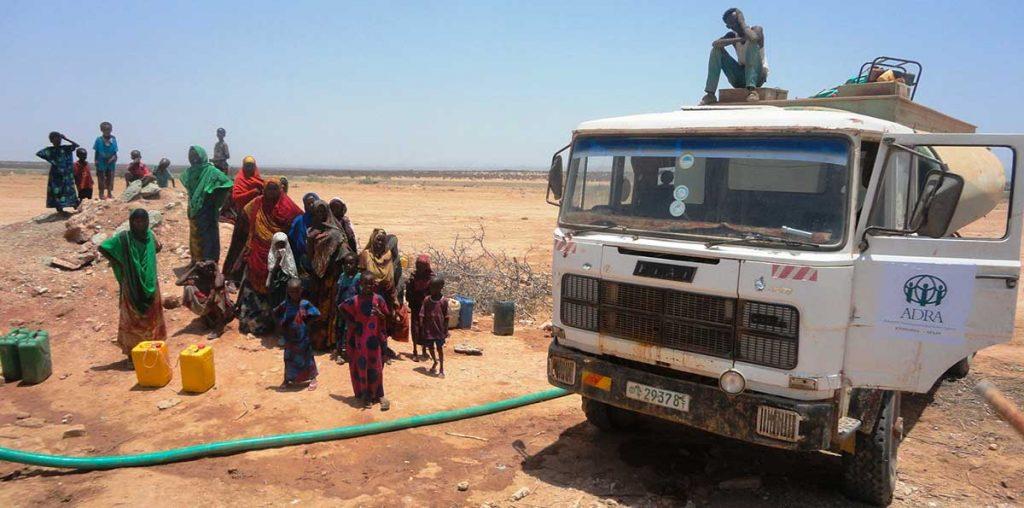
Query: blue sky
point(449, 84)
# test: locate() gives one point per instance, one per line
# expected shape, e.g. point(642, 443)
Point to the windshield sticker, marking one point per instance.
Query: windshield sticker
point(685, 161)
point(677, 208)
point(681, 193)
point(925, 302)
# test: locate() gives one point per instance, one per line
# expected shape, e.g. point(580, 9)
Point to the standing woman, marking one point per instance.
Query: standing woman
point(326, 245)
point(61, 192)
point(340, 211)
point(132, 256)
point(267, 214)
point(297, 232)
point(207, 189)
point(377, 259)
point(248, 185)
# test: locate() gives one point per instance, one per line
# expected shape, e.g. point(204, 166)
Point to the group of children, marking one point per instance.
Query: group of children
point(105, 159)
point(364, 319)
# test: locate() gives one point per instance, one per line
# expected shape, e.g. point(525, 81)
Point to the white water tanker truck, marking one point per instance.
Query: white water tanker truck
point(780, 273)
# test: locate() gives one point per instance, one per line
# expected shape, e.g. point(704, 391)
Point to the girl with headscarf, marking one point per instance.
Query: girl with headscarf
point(207, 189)
point(267, 214)
point(325, 244)
point(132, 256)
point(248, 185)
point(346, 287)
point(280, 268)
point(416, 289)
point(340, 211)
point(299, 229)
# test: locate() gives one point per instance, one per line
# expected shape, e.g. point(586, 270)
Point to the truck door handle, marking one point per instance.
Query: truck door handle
point(1011, 280)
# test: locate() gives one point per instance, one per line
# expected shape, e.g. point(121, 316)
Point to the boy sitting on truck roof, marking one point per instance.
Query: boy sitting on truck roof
point(750, 67)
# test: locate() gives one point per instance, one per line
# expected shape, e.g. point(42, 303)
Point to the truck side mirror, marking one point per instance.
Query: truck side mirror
point(937, 203)
point(555, 180)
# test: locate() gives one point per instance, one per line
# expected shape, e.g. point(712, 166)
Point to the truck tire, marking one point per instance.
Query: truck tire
point(869, 474)
point(607, 418)
point(960, 369)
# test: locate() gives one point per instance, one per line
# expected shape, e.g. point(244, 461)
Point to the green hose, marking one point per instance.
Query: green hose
point(260, 443)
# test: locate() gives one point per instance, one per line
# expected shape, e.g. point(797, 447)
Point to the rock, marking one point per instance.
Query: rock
point(172, 302)
point(67, 418)
point(76, 233)
point(97, 327)
point(98, 238)
point(156, 217)
point(168, 403)
point(132, 192)
point(462, 486)
point(151, 191)
point(172, 204)
point(76, 264)
point(16, 322)
point(74, 431)
point(993, 446)
point(41, 290)
point(742, 483)
point(21, 415)
point(521, 493)
point(31, 423)
point(466, 349)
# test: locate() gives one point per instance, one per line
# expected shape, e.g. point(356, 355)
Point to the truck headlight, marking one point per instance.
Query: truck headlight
point(732, 382)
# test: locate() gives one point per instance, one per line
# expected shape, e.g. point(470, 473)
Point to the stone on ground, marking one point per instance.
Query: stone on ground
point(132, 192)
point(151, 191)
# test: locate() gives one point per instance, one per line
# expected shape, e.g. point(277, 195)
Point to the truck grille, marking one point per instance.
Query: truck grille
point(682, 320)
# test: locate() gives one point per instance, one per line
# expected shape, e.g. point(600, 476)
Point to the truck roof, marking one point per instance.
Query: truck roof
point(739, 118)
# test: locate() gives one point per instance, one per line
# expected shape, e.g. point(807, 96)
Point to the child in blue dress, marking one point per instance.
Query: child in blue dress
point(293, 315)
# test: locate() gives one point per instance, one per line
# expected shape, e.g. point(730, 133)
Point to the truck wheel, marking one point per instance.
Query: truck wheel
point(960, 369)
point(607, 418)
point(869, 474)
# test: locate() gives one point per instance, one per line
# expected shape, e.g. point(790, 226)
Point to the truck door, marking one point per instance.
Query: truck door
point(920, 304)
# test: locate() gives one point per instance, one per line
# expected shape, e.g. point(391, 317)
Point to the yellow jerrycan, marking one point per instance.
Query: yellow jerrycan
point(197, 372)
point(152, 366)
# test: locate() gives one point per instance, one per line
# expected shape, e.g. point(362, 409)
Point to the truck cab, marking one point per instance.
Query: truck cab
point(778, 273)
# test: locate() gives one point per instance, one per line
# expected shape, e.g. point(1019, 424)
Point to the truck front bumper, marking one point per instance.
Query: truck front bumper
point(710, 408)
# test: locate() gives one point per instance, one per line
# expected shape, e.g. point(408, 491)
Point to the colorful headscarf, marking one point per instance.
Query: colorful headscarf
point(283, 257)
point(297, 233)
point(265, 219)
point(202, 180)
point(382, 266)
point(246, 188)
point(134, 265)
point(422, 274)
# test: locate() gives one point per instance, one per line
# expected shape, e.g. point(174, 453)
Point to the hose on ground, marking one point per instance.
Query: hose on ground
point(275, 441)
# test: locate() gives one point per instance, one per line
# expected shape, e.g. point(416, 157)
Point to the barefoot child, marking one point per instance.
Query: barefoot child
point(293, 315)
point(367, 315)
point(416, 290)
point(433, 318)
point(163, 174)
point(60, 185)
point(136, 170)
point(105, 152)
point(83, 176)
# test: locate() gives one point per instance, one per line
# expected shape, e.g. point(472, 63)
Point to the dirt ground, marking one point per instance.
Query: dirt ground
point(957, 452)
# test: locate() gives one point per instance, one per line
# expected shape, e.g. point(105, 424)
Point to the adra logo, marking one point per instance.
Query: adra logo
point(923, 291)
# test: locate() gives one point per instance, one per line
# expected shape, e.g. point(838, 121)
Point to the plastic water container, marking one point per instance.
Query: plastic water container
point(197, 372)
point(152, 366)
point(504, 317)
point(453, 313)
point(34, 356)
point(9, 358)
point(466, 305)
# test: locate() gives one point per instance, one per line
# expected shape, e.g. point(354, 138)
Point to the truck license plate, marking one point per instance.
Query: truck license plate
point(657, 396)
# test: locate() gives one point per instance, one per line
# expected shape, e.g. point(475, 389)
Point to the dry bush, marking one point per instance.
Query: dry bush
point(471, 269)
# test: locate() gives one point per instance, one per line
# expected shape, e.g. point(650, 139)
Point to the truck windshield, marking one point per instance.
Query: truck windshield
point(790, 190)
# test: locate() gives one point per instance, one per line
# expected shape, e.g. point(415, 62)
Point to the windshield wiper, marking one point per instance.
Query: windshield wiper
point(605, 226)
point(761, 238)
